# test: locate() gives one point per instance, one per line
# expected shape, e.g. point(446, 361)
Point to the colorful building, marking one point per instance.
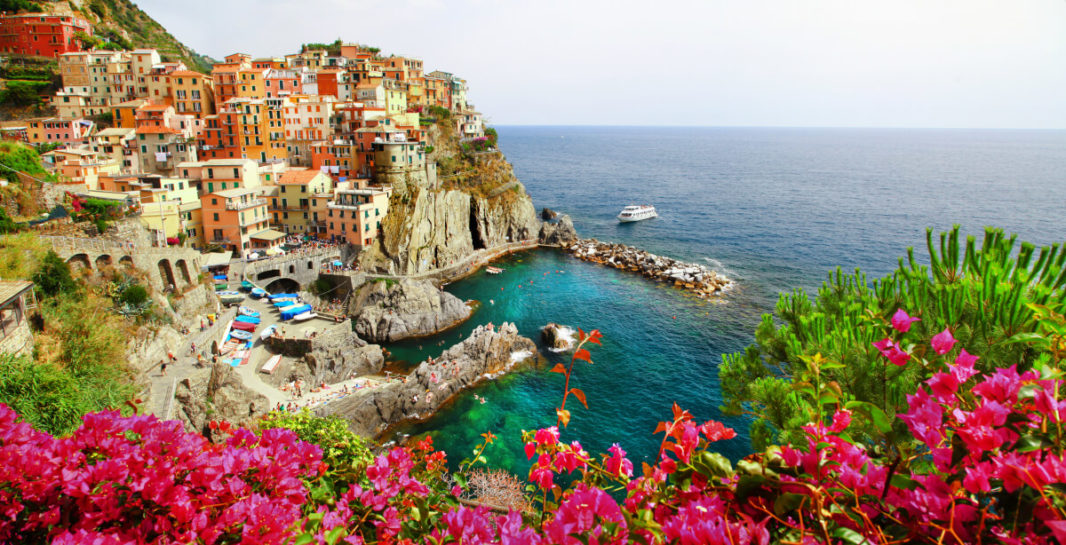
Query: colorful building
point(354, 216)
point(290, 207)
point(232, 218)
point(53, 129)
point(192, 93)
point(41, 34)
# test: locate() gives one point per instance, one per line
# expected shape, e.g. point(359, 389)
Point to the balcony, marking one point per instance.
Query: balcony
point(244, 205)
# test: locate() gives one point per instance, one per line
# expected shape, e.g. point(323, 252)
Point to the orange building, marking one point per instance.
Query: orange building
point(237, 219)
point(355, 215)
point(245, 128)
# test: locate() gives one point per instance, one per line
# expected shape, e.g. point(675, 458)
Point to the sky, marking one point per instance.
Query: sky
point(821, 63)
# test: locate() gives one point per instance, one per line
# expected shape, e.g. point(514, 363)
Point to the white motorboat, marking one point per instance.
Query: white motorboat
point(303, 316)
point(637, 213)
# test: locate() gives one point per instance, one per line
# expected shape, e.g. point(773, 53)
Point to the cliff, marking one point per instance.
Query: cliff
point(221, 395)
point(485, 354)
point(436, 218)
point(390, 311)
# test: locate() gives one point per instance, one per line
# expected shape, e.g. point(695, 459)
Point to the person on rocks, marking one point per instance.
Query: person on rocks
point(162, 368)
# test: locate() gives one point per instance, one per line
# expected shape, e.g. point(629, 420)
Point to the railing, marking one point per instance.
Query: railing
point(244, 205)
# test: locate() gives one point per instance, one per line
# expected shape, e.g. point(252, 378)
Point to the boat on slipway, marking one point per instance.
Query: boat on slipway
point(637, 213)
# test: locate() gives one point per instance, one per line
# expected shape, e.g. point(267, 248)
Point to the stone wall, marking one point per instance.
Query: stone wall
point(19, 341)
point(292, 347)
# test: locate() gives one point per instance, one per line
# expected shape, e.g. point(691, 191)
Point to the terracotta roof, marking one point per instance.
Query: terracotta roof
point(298, 176)
point(157, 130)
point(154, 107)
point(9, 289)
point(188, 73)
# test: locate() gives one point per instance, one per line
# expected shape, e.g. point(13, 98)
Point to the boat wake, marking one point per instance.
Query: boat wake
point(718, 266)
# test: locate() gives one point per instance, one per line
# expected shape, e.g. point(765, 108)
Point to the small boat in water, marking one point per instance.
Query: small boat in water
point(637, 213)
point(493, 270)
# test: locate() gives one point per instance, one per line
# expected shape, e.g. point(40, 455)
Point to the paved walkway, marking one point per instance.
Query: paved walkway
point(465, 266)
point(162, 386)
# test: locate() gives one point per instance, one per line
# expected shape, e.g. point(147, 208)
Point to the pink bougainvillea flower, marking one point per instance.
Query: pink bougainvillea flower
point(892, 351)
point(966, 359)
point(902, 321)
point(617, 464)
point(841, 420)
point(943, 342)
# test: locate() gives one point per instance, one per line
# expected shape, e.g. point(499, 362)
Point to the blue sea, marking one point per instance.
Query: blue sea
point(773, 208)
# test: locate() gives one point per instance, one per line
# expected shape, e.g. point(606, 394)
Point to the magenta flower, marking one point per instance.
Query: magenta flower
point(902, 321)
point(943, 342)
point(892, 351)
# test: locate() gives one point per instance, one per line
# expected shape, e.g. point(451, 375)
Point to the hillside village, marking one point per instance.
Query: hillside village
point(303, 145)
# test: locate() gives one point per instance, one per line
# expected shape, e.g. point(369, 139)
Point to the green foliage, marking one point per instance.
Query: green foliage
point(52, 276)
point(492, 136)
point(346, 453)
point(7, 225)
point(333, 49)
point(18, 6)
point(135, 294)
point(98, 7)
point(19, 157)
point(20, 255)
point(806, 348)
point(440, 112)
point(23, 93)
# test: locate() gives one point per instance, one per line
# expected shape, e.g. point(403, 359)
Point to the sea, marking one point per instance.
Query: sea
point(775, 209)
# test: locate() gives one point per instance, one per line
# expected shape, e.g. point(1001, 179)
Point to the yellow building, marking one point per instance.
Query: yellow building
point(290, 207)
point(125, 113)
point(192, 93)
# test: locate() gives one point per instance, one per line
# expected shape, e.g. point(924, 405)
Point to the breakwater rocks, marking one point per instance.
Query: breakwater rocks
point(392, 310)
point(696, 278)
point(485, 354)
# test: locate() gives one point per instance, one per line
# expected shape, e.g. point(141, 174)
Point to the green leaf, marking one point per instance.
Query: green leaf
point(850, 536)
point(416, 513)
point(333, 535)
point(303, 539)
point(902, 481)
point(788, 502)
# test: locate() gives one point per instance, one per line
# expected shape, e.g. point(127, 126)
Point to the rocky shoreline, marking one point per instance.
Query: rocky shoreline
point(702, 281)
point(487, 353)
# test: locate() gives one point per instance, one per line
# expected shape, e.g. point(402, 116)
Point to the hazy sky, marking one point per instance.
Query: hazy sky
point(896, 63)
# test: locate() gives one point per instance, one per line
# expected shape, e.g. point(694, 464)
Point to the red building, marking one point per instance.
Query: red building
point(41, 34)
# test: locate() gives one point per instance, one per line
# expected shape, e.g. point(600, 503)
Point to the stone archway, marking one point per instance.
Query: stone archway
point(126, 262)
point(183, 271)
point(103, 260)
point(166, 272)
point(79, 261)
point(272, 273)
point(283, 285)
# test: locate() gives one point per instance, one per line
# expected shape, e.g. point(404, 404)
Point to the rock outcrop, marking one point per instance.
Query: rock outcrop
point(559, 338)
point(548, 214)
point(702, 281)
point(558, 233)
point(485, 354)
point(434, 224)
point(390, 311)
point(335, 356)
point(217, 395)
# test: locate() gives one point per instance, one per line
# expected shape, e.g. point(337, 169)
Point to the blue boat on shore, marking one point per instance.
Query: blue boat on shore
point(294, 311)
point(247, 319)
point(258, 293)
point(277, 296)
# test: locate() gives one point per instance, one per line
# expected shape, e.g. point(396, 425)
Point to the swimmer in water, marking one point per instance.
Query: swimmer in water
point(491, 302)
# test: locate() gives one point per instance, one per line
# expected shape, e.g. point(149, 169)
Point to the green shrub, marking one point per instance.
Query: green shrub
point(346, 453)
point(982, 292)
point(135, 294)
point(52, 276)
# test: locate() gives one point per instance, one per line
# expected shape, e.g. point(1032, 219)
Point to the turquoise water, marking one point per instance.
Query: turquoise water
point(772, 208)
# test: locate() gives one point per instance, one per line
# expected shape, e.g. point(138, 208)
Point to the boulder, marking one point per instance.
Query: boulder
point(336, 355)
point(558, 337)
point(548, 214)
point(486, 354)
point(558, 233)
point(217, 395)
point(390, 311)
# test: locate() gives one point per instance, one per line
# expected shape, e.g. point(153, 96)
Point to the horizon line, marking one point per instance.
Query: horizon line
point(879, 127)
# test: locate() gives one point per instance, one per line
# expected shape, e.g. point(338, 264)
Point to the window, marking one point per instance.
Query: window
point(215, 216)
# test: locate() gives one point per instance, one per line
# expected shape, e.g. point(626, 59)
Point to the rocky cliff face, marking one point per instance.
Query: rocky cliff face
point(484, 355)
point(335, 356)
point(389, 312)
point(218, 395)
point(434, 223)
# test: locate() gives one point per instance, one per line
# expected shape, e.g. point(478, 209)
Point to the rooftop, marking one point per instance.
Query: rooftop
point(9, 289)
point(267, 234)
point(302, 176)
point(239, 192)
point(116, 131)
